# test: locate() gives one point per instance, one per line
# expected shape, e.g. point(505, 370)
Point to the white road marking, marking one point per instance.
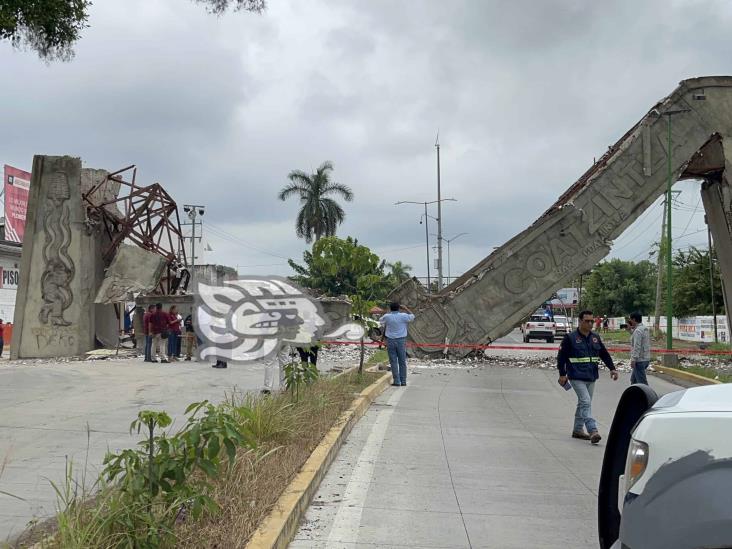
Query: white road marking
point(348, 518)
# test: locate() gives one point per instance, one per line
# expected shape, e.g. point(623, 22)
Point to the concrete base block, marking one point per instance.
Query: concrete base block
point(671, 360)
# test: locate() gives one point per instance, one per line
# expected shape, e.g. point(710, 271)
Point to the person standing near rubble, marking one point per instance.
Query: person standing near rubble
point(577, 361)
point(158, 327)
point(173, 334)
point(147, 332)
point(395, 323)
point(640, 349)
point(190, 336)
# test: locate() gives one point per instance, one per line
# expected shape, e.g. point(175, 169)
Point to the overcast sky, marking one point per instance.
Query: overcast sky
point(219, 110)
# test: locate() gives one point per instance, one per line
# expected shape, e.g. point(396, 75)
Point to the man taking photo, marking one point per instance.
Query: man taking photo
point(577, 361)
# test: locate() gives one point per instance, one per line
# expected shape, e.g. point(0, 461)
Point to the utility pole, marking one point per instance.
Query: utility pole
point(711, 279)
point(427, 241)
point(669, 266)
point(439, 218)
point(193, 211)
point(659, 274)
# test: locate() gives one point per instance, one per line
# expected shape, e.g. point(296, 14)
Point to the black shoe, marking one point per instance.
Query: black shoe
point(165, 361)
point(580, 435)
point(404, 384)
point(395, 385)
point(595, 437)
point(188, 358)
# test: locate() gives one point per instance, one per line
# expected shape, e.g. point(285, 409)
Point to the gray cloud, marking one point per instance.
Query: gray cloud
point(219, 110)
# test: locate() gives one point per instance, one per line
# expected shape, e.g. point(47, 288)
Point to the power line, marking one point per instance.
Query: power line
point(224, 235)
point(690, 217)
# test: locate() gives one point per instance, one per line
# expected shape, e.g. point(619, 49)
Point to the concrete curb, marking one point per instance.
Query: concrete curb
point(686, 376)
point(281, 524)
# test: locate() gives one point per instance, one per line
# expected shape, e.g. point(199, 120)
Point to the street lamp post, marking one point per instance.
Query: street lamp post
point(193, 211)
point(448, 240)
point(426, 231)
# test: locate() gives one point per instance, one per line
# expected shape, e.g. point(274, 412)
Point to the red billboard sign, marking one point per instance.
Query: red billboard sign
point(17, 183)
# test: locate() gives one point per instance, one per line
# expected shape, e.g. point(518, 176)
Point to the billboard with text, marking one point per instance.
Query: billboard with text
point(17, 183)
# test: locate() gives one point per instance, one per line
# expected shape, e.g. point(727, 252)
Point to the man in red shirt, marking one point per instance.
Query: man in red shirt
point(147, 333)
point(158, 325)
point(173, 334)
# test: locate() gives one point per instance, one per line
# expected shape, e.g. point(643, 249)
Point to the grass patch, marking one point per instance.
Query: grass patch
point(379, 357)
point(710, 373)
point(281, 435)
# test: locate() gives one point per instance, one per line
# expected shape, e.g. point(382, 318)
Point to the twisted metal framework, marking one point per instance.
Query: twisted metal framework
point(144, 215)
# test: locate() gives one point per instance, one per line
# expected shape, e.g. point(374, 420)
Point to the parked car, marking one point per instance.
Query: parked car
point(539, 327)
point(666, 476)
point(562, 325)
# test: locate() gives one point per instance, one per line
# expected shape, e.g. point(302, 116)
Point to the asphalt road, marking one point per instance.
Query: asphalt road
point(468, 457)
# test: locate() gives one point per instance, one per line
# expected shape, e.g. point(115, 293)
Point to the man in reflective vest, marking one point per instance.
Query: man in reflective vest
point(578, 359)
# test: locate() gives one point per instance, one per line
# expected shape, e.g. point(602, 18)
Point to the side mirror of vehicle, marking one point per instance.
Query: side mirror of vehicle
point(634, 402)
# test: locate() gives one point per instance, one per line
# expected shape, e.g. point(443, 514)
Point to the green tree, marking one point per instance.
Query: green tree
point(400, 272)
point(343, 267)
point(220, 6)
point(52, 27)
point(691, 285)
point(319, 215)
point(617, 288)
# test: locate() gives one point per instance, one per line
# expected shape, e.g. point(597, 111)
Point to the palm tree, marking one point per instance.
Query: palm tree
point(319, 215)
point(400, 271)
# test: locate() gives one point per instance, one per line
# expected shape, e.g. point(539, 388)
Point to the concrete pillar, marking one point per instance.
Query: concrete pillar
point(713, 198)
point(54, 313)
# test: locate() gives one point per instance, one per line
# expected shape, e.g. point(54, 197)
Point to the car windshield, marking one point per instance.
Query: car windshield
point(537, 319)
point(560, 319)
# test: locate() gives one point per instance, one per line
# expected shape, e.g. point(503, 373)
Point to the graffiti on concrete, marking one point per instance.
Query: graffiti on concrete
point(55, 337)
point(59, 268)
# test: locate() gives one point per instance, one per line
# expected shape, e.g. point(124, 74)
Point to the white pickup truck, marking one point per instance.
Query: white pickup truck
point(539, 327)
point(666, 480)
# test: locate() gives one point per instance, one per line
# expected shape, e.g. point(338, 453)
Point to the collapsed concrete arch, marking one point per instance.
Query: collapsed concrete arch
point(577, 231)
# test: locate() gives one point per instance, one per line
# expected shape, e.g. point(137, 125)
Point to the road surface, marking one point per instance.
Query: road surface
point(470, 457)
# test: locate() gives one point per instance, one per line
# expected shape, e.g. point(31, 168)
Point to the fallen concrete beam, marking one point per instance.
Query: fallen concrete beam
point(578, 230)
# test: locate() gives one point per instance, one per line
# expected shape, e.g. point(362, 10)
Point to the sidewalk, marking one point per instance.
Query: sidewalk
point(466, 458)
point(45, 409)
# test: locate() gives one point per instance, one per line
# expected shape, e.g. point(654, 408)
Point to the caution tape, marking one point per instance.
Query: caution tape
point(484, 346)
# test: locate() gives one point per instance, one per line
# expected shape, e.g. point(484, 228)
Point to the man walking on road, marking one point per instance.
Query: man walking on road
point(640, 349)
point(577, 361)
point(396, 341)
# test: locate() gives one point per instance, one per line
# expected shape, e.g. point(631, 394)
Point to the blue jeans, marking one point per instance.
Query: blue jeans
point(173, 344)
point(583, 413)
point(148, 348)
point(639, 373)
point(397, 349)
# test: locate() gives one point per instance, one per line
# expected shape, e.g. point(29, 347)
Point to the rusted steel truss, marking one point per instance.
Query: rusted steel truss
point(143, 215)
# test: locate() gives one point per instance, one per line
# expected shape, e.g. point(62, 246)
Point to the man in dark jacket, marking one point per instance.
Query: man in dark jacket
point(578, 359)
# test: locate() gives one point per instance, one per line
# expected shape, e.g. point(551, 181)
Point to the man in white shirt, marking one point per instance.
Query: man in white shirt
point(395, 323)
point(640, 349)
